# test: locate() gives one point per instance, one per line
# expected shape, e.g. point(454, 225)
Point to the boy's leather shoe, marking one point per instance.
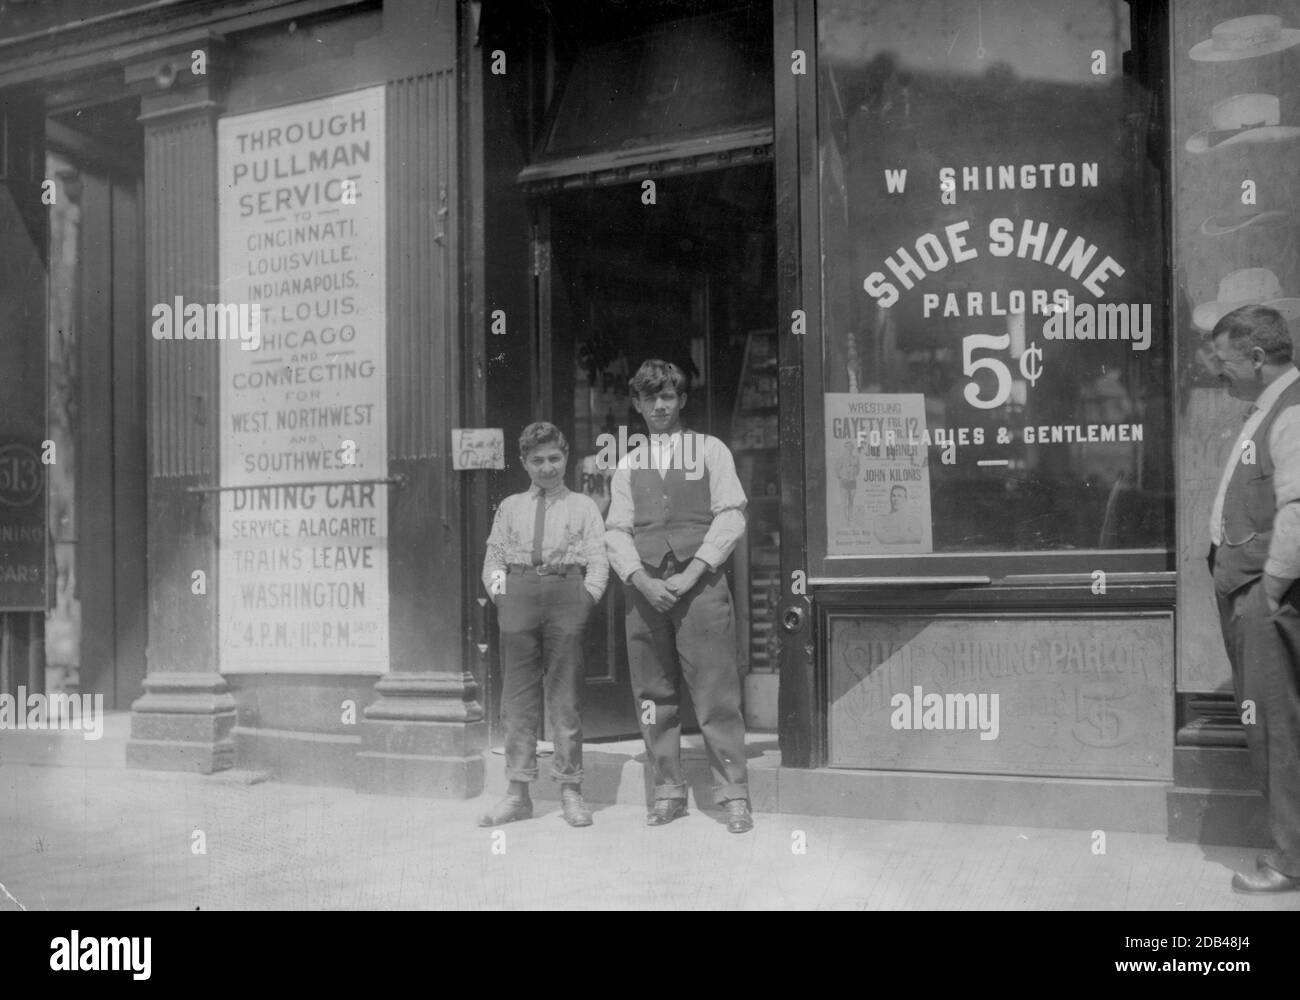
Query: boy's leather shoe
point(1264, 880)
point(509, 809)
point(739, 818)
point(576, 812)
point(665, 811)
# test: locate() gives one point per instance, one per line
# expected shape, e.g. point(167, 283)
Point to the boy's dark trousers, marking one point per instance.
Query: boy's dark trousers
point(694, 641)
point(543, 619)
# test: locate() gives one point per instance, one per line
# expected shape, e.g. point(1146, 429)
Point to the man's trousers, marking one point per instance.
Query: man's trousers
point(1264, 650)
point(694, 642)
point(543, 620)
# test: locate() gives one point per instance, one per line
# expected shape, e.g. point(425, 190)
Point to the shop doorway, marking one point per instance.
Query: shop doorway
point(689, 278)
point(97, 335)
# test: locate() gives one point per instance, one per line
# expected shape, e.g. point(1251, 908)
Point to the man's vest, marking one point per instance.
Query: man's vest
point(671, 513)
point(1249, 506)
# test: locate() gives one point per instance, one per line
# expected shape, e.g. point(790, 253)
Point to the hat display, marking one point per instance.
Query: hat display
point(1245, 38)
point(1251, 286)
point(1229, 222)
point(1243, 118)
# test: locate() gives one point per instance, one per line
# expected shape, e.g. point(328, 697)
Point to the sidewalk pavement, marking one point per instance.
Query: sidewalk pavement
point(76, 837)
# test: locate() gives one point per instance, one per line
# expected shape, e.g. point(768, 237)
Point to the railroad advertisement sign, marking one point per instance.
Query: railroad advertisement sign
point(304, 559)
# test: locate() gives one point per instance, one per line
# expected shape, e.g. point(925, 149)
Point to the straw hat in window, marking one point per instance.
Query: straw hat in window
point(1243, 118)
point(1252, 286)
point(1245, 38)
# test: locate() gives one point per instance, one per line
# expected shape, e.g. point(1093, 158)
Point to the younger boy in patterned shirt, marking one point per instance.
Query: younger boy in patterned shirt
point(545, 569)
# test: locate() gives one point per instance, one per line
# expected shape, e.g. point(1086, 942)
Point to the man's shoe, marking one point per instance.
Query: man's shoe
point(575, 810)
point(509, 809)
point(665, 811)
point(1264, 880)
point(739, 818)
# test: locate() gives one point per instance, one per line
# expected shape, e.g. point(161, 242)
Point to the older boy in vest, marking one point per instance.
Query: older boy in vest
point(545, 569)
point(676, 512)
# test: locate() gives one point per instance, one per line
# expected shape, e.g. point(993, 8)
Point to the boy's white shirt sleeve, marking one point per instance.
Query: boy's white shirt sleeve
point(493, 560)
point(593, 547)
point(727, 501)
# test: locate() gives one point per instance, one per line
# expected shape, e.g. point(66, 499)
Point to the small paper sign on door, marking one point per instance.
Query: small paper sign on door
point(478, 448)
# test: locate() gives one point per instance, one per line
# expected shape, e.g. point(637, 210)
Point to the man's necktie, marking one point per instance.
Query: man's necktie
point(539, 527)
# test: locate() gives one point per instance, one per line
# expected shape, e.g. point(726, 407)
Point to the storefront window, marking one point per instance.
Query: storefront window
point(1235, 110)
point(994, 351)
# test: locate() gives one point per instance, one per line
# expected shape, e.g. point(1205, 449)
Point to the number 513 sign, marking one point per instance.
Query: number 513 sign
point(22, 529)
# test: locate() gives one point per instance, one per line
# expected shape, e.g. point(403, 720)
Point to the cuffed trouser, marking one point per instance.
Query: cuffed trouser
point(542, 621)
point(694, 641)
point(1264, 650)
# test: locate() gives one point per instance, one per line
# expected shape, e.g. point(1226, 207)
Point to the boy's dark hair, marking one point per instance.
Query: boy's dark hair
point(539, 434)
point(653, 375)
point(1256, 326)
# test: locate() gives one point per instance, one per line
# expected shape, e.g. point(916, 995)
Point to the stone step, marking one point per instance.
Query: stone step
point(617, 773)
point(1000, 800)
point(1230, 817)
point(1213, 767)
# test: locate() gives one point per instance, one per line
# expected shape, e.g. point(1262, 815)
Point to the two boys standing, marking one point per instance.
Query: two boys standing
point(667, 536)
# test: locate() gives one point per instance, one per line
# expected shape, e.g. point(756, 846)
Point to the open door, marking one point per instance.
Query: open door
point(690, 284)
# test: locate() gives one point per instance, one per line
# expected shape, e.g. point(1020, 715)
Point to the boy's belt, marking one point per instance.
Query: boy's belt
point(561, 570)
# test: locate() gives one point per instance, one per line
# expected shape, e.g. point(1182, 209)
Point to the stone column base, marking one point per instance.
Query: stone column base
point(424, 736)
point(183, 722)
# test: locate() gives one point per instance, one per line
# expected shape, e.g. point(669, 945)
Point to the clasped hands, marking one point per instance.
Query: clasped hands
point(663, 594)
point(1275, 588)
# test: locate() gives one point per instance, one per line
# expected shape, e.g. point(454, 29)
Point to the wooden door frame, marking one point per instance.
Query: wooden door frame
point(801, 710)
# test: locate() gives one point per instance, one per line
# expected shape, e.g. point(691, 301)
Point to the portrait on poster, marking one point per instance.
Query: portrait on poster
point(878, 479)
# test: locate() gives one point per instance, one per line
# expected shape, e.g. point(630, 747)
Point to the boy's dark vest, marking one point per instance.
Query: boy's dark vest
point(670, 512)
point(1248, 508)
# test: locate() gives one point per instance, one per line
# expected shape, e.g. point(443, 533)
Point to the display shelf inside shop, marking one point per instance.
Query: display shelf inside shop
point(755, 446)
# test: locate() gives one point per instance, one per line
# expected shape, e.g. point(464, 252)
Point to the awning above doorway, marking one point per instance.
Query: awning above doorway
point(707, 152)
point(690, 94)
